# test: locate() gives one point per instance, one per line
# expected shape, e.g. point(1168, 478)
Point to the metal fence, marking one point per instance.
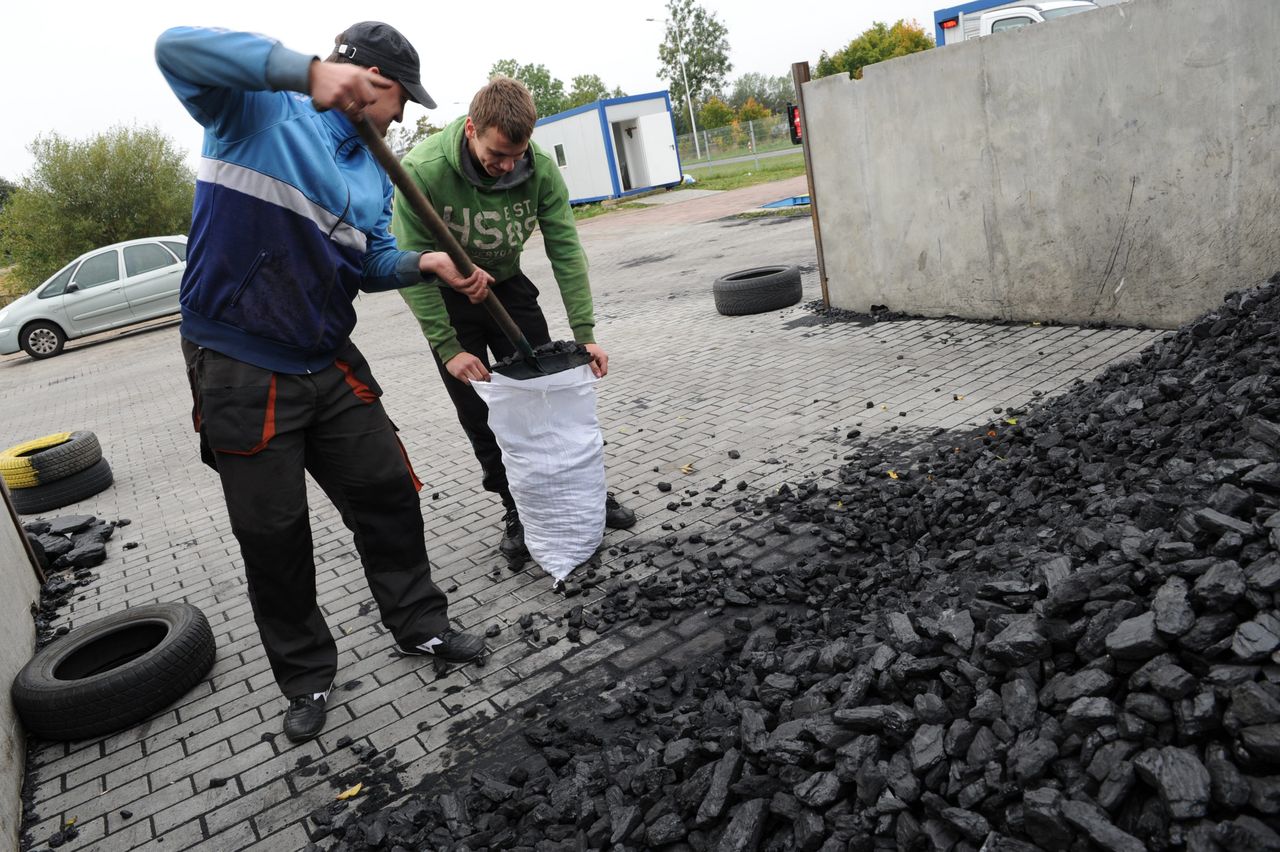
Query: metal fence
point(740, 140)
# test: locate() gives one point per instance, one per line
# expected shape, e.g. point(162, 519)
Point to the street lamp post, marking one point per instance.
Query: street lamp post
point(688, 97)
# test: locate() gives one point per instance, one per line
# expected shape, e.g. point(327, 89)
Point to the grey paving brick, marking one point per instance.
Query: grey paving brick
point(194, 805)
point(289, 837)
point(238, 812)
point(592, 654)
point(236, 836)
point(120, 833)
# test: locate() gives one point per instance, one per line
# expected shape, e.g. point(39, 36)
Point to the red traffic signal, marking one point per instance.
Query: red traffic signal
point(793, 122)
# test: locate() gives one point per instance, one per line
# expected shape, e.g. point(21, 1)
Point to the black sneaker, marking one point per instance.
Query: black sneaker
point(512, 544)
point(616, 515)
point(451, 646)
point(305, 716)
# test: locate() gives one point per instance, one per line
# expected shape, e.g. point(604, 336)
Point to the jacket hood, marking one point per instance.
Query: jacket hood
point(458, 157)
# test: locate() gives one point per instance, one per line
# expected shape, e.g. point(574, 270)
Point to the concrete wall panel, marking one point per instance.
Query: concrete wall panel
point(18, 591)
point(1117, 166)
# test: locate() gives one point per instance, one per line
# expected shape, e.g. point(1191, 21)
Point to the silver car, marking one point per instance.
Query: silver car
point(100, 290)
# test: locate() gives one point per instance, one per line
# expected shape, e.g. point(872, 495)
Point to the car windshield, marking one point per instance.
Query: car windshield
point(1066, 10)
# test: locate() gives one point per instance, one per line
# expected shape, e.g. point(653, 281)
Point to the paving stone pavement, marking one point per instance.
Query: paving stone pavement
point(686, 386)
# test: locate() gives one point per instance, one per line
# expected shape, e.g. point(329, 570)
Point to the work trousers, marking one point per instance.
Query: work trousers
point(480, 335)
point(261, 431)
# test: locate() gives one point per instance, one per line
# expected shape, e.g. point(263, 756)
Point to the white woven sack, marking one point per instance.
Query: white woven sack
point(554, 455)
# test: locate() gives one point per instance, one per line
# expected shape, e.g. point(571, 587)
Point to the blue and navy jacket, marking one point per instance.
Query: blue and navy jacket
point(291, 210)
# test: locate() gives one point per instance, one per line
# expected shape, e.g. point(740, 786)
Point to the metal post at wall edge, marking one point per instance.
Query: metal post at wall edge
point(800, 76)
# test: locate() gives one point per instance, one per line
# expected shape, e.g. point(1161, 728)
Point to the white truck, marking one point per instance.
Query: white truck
point(984, 17)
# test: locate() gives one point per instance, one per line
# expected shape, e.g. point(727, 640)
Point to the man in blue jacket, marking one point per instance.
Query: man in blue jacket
point(289, 225)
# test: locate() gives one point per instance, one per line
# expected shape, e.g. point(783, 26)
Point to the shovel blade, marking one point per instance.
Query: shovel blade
point(544, 365)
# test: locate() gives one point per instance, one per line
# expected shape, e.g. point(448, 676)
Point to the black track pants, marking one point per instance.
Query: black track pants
point(480, 335)
point(264, 430)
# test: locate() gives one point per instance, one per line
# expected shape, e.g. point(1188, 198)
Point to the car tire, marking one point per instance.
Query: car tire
point(114, 672)
point(49, 459)
point(754, 291)
point(74, 488)
point(42, 339)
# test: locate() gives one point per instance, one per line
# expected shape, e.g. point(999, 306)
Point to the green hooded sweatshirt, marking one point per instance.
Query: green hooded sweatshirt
point(491, 217)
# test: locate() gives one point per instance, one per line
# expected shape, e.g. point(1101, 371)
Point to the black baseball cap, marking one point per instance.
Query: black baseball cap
point(371, 43)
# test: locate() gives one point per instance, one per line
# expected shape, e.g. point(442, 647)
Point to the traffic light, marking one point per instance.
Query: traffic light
point(793, 122)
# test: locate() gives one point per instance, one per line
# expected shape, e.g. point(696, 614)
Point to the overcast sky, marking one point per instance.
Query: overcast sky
point(77, 68)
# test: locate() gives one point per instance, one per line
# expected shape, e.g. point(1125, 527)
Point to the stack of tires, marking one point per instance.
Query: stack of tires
point(54, 471)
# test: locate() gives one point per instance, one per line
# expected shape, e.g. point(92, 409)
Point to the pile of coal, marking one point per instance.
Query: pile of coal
point(1058, 631)
point(66, 548)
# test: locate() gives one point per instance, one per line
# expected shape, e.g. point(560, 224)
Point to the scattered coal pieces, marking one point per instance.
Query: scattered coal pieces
point(66, 548)
point(1060, 630)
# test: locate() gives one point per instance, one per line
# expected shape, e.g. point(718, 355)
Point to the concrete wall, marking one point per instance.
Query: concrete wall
point(1121, 165)
point(18, 590)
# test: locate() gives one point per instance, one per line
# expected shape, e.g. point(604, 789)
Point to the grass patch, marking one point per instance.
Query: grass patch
point(590, 211)
point(738, 175)
point(779, 212)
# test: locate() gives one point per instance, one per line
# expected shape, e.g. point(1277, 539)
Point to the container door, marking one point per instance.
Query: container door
point(663, 166)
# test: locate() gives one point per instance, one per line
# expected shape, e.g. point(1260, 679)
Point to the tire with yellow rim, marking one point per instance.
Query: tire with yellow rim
point(48, 459)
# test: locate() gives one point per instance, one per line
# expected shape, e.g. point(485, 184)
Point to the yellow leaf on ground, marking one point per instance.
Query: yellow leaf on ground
point(893, 474)
point(350, 792)
point(1012, 421)
point(686, 468)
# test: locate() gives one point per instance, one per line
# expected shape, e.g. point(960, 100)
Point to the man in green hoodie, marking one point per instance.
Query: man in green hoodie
point(494, 187)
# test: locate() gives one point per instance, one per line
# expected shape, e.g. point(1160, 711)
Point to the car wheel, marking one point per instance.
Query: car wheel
point(48, 459)
point(114, 672)
point(42, 340)
point(754, 291)
point(72, 489)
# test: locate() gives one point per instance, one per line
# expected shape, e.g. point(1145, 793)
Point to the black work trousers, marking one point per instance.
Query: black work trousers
point(262, 431)
point(480, 335)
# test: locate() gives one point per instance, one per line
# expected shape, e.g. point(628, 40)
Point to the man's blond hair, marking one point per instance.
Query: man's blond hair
point(506, 104)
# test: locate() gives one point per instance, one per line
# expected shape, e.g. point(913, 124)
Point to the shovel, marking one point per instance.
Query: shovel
point(530, 364)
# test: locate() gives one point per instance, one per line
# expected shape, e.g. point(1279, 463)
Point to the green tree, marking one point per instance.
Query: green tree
point(752, 111)
point(715, 113)
point(696, 38)
point(126, 183)
point(772, 93)
point(6, 189)
point(588, 88)
point(401, 139)
point(877, 44)
point(548, 92)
